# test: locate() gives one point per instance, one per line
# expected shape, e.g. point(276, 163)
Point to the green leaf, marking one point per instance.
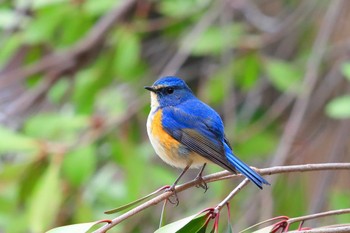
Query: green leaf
point(74, 228)
point(15, 142)
point(345, 68)
point(197, 225)
point(11, 172)
point(180, 8)
point(247, 69)
point(57, 127)
point(42, 28)
point(192, 223)
point(283, 75)
point(72, 28)
point(126, 206)
point(44, 204)
point(9, 47)
point(87, 86)
point(217, 88)
point(85, 157)
point(127, 53)
point(30, 177)
point(215, 40)
point(339, 107)
point(96, 8)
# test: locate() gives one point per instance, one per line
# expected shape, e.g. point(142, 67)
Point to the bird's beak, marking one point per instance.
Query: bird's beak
point(150, 88)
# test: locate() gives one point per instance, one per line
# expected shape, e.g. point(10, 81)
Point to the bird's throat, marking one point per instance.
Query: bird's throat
point(154, 102)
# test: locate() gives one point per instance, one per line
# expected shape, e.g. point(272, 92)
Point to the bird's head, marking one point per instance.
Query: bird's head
point(169, 91)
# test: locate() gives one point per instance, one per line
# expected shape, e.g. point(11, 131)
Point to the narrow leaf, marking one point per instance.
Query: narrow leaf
point(121, 208)
point(74, 228)
point(45, 202)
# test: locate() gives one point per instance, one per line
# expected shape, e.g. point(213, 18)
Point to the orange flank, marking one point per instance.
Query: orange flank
point(167, 147)
point(167, 141)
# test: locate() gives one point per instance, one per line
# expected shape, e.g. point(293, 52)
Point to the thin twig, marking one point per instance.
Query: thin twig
point(325, 230)
point(231, 195)
point(221, 176)
point(318, 215)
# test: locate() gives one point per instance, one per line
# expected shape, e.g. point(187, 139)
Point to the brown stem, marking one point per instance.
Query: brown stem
point(221, 176)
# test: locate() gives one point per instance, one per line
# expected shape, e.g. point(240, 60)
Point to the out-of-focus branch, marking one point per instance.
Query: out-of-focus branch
point(59, 63)
point(327, 179)
point(189, 40)
point(75, 56)
point(221, 176)
point(295, 120)
point(310, 78)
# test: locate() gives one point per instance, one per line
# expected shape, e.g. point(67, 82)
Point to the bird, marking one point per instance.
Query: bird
point(187, 133)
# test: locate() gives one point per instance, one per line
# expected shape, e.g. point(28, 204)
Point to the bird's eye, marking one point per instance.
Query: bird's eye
point(169, 90)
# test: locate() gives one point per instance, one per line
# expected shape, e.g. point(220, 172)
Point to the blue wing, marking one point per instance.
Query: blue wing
point(200, 128)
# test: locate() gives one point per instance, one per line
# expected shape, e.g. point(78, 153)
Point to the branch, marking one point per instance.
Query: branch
point(325, 230)
point(72, 57)
point(318, 215)
point(231, 195)
point(222, 176)
point(189, 40)
point(297, 115)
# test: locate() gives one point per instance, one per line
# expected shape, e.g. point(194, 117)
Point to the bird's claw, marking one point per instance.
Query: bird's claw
point(176, 199)
point(202, 183)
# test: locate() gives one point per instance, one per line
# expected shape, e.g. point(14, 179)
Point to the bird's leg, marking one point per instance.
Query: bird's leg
point(202, 184)
point(172, 187)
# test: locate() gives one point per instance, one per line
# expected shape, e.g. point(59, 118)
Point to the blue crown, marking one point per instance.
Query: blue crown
point(172, 81)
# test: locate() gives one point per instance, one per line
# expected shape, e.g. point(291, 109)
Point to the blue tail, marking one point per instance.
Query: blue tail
point(245, 169)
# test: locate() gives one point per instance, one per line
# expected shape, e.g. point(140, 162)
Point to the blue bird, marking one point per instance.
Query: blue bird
point(187, 133)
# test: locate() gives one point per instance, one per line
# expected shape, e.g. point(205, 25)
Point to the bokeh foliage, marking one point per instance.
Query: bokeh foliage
point(73, 144)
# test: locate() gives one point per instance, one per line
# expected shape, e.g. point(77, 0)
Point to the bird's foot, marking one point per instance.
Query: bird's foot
point(202, 183)
point(173, 199)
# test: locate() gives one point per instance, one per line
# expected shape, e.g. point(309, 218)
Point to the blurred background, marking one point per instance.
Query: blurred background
point(73, 110)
